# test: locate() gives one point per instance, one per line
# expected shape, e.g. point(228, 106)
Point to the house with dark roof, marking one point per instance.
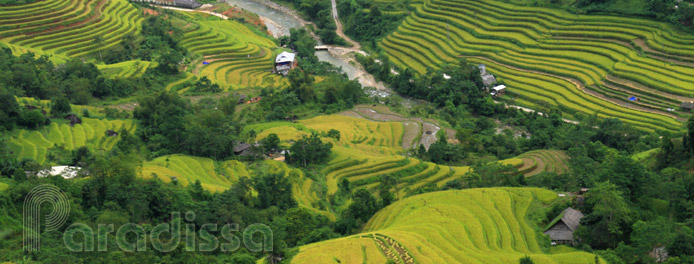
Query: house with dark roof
point(487, 78)
point(561, 229)
point(243, 149)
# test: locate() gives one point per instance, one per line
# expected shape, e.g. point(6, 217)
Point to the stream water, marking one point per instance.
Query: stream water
point(282, 23)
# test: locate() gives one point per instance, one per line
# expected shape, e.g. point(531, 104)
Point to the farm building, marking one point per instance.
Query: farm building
point(688, 106)
point(284, 62)
point(562, 228)
point(243, 149)
point(487, 78)
point(498, 90)
point(67, 172)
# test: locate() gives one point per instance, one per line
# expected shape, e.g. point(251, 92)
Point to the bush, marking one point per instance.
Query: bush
point(60, 106)
point(32, 119)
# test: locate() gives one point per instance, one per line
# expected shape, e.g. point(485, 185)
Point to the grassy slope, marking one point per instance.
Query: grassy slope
point(468, 226)
point(214, 176)
point(126, 69)
point(237, 56)
point(34, 144)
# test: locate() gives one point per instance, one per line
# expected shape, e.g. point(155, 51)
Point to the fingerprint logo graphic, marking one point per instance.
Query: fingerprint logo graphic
point(39, 196)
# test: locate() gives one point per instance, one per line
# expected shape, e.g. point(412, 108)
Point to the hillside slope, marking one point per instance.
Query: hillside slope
point(462, 226)
point(636, 70)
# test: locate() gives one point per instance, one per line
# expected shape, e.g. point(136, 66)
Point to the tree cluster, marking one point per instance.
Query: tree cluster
point(169, 124)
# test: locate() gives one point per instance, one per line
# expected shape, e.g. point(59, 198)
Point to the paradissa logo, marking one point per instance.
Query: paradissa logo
point(31, 215)
point(131, 237)
point(167, 237)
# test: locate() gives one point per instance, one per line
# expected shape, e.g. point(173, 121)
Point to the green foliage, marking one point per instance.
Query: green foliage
point(274, 189)
point(526, 260)
point(60, 107)
point(270, 143)
point(492, 174)
point(366, 26)
point(309, 150)
point(205, 85)
point(604, 226)
point(32, 119)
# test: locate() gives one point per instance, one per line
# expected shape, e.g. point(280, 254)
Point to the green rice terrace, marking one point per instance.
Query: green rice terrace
point(92, 133)
point(68, 27)
point(469, 226)
point(232, 53)
point(581, 63)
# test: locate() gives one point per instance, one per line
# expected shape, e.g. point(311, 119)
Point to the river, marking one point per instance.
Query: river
point(280, 25)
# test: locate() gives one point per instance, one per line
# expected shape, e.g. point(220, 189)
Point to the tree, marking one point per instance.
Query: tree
point(333, 133)
point(363, 207)
point(228, 104)
point(60, 106)
point(649, 235)
point(683, 245)
point(270, 143)
point(301, 84)
point(169, 61)
point(274, 189)
point(492, 174)
point(309, 150)
point(607, 201)
point(609, 217)
point(99, 42)
point(32, 119)
point(526, 260)
point(690, 135)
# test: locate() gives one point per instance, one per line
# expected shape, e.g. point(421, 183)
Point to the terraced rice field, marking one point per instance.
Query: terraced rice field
point(538, 161)
point(237, 56)
point(213, 176)
point(366, 170)
point(582, 64)
point(369, 136)
point(462, 226)
point(34, 144)
point(366, 152)
point(306, 192)
point(68, 27)
point(380, 138)
point(126, 69)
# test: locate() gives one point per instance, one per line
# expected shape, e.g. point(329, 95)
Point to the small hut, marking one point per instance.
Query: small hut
point(687, 106)
point(74, 119)
point(111, 133)
point(561, 229)
point(243, 149)
point(498, 90)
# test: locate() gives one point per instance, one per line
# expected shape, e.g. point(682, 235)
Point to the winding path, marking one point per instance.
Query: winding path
point(355, 45)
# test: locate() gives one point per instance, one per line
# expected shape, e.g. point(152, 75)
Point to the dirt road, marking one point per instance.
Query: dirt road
point(196, 10)
point(355, 45)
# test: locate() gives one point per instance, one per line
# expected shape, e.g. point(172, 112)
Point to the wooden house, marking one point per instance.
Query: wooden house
point(561, 229)
point(284, 62)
